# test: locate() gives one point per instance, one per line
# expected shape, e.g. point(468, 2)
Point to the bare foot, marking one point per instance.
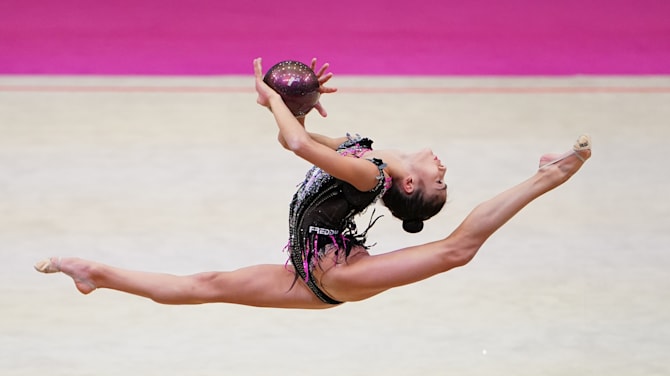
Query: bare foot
point(560, 167)
point(79, 270)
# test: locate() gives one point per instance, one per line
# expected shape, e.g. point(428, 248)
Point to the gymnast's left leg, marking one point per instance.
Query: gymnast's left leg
point(363, 275)
point(259, 285)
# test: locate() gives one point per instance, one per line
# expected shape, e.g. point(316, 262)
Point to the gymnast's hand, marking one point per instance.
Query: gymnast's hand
point(265, 92)
point(323, 78)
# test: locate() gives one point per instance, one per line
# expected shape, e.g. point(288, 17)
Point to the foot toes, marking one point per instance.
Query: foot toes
point(581, 149)
point(583, 143)
point(48, 266)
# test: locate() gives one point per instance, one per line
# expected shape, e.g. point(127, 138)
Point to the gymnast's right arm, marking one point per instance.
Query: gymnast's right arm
point(330, 142)
point(358, 172)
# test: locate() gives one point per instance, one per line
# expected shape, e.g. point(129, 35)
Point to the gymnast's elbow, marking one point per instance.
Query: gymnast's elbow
point(303, 147)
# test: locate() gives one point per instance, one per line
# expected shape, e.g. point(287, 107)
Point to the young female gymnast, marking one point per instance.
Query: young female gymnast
point(330, 263)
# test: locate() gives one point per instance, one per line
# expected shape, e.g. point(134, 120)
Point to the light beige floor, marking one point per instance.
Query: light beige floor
point(190, 178)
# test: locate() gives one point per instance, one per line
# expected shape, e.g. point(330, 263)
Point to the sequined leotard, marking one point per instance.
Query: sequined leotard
point(322, 213)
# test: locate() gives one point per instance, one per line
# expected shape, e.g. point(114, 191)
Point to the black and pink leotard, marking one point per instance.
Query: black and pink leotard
point(322, 214)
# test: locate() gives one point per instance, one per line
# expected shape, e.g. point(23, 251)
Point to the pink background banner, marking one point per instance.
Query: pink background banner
point(373, 37)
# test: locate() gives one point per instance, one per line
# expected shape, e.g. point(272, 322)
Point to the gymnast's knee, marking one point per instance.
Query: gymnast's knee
point(194, 289)
point(457, 255)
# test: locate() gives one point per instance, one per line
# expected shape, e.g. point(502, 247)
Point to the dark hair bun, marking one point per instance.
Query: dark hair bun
point(412, 226)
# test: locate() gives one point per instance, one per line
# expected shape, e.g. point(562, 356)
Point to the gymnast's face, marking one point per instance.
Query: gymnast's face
point(429, 172)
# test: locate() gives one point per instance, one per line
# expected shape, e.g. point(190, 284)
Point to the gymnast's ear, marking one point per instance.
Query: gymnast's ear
point(408, 184)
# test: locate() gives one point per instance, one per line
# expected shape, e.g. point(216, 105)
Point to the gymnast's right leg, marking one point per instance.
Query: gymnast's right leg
point(259, 285)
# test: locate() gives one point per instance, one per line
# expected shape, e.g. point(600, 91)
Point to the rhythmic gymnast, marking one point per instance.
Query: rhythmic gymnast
point(329, 260)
